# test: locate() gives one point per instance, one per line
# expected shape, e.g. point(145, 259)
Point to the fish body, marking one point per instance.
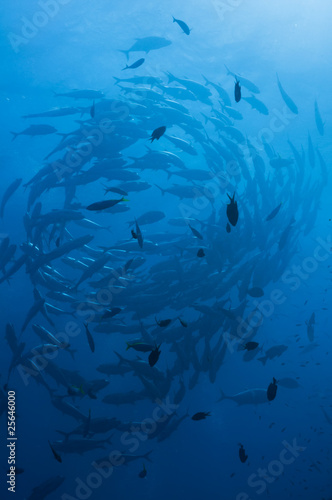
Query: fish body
point(183, 25)
point(147, 44)
point(287, 100)
point(34, 130)
point(135, 65)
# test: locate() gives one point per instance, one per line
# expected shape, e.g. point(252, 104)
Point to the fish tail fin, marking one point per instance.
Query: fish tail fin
point(72, 352)
point(207, 82)
point(171, 78)
point(263, 360)
point(55, 93)
point(117, 80)
point(65, 434)
point(163, 191)
point(126, 67)
point(121, 358)
point(174, 20)
point(15, 134)
point(222, 396)
point(126, 52)
point(227, 69)
point(146, 456)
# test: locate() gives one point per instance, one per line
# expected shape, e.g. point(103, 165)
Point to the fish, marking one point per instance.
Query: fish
point(147, 44)
point(287, 100)
point(311, 152)
point(93, 110)
point(272, 390)
point(256, 291)
point(249, 346)
point(288, 382)
point(157, 133)
point(46, 487)
point(201, 253)
point(143, 472)
point(232, 210)
point(135, 65)
point(8, 194)
point(183, 26)
point(163, 322)
point(154, 355)
point(35, 130)
point(256, 104)
point(54, 113)
point(139, 346)
point(201, 415)
point(103, 205)
point(242, 454)
point(148, 218)
point(90, 338)
point(250, 396)
point(55, 454)
point(274, 352)
point(310, 327)
point(318, 120)
point(196, 233)
point(244, 82)
point(274, 212)
point(237, 91)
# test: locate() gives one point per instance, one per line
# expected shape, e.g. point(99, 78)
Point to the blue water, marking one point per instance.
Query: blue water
point(264, 281)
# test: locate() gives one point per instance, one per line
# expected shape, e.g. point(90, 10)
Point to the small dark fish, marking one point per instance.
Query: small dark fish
point(250, 346)
point(134, 235)
point(92, 110)
point(185, 28)
point(232, 211)
point(201, 415)
point(143, 472)
point(157, 133)
point(136, 64)
point(237, 91)
point(58, 241)
point(200, 253)
point(272, 390)
point(154, 355)
point(242, 454)
point(90, 339)
point(55, 454)
point(228, 227)
point(102, 205)
point(163, 322)
point(273, 213)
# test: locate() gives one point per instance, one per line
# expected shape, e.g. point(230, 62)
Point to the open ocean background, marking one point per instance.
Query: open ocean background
point(78, 47)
